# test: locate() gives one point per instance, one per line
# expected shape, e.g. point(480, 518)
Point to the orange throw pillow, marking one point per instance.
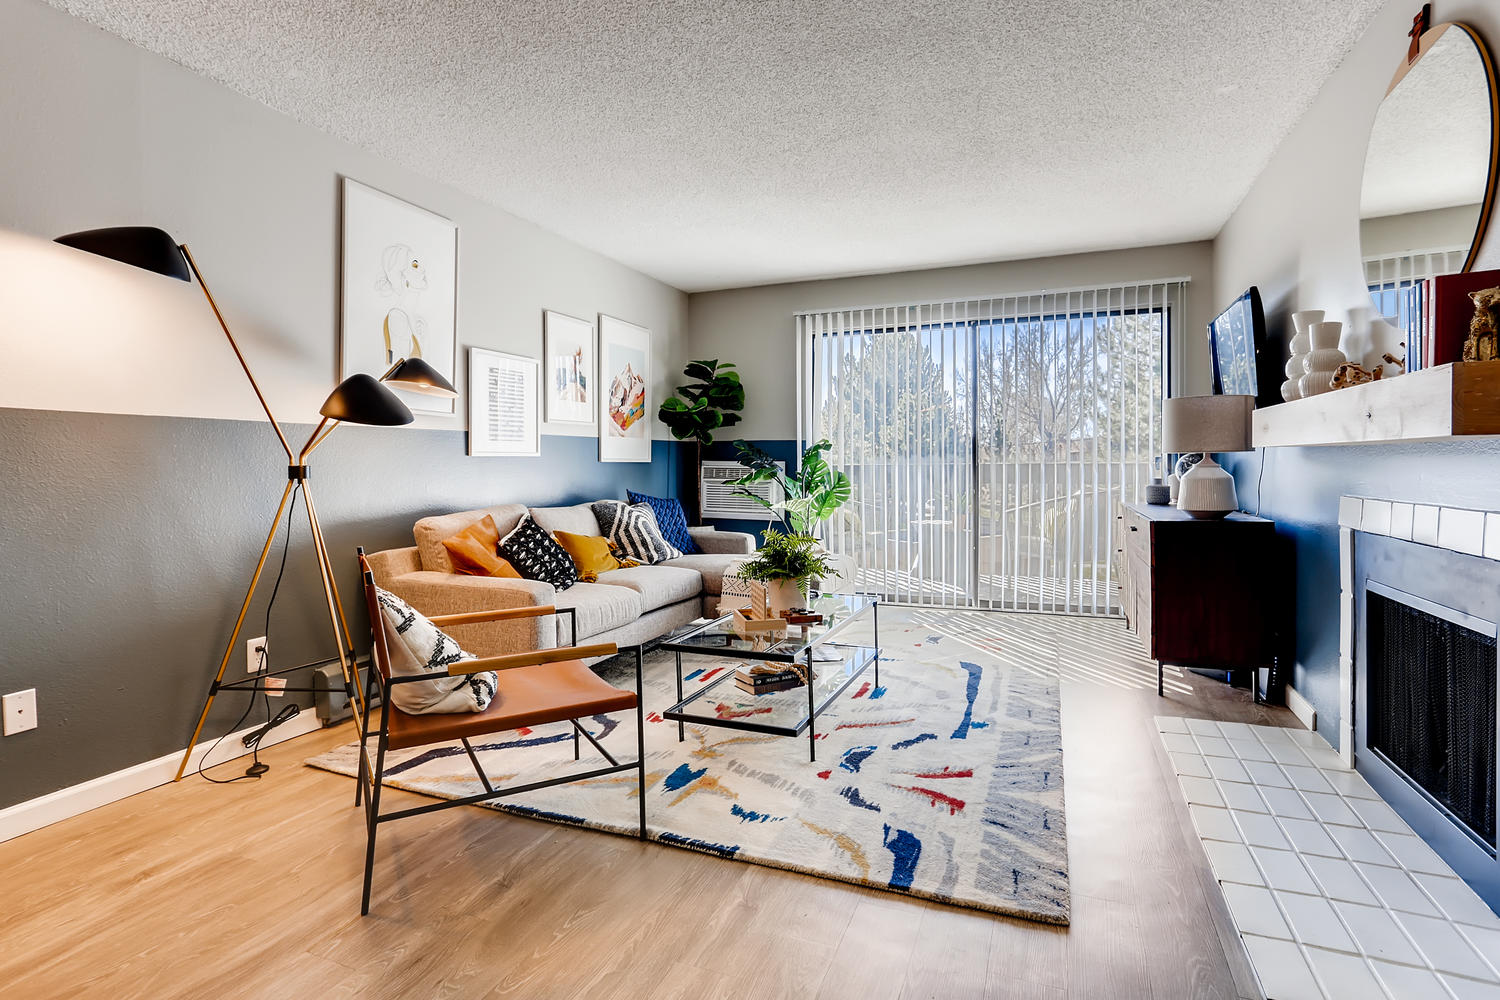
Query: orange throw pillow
point(590, 553)
point(475, 551)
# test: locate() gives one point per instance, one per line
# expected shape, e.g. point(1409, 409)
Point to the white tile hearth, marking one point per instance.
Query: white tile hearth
point(1332, 893)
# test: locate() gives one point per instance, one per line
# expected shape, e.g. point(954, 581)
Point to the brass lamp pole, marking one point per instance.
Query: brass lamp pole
point(358, 399)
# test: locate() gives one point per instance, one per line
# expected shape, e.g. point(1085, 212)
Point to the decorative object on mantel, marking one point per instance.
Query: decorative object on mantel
point(1484, 328)
point(1448, 314)
point(1158, 493)
point(1208, 424)
point(1350, 373)
point(1324, 359)
point(1296, 364)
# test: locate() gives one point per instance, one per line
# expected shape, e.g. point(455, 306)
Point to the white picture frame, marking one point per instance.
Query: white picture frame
point(569, 368)
point(625, 412)
point(504, 417)
point(398, 289)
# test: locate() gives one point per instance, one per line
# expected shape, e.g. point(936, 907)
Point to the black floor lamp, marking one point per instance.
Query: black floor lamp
point(358, 399)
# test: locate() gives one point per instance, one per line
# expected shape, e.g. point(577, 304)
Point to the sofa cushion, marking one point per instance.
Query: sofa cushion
point(475, 551)
point(599, 607)
point(429, 532)
point(578, 519)
point(592, 554)
point(710, 565)
point(537, 556)
point(658, 586)
point(671, 519)
point(633, 531)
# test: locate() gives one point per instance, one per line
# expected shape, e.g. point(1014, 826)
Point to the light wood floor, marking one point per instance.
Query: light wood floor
point(251, 890)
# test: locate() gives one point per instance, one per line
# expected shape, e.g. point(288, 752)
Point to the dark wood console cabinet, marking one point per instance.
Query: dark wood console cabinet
point(1204, 593)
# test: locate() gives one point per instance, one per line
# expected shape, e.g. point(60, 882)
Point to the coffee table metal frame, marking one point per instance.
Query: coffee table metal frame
point(793, 649)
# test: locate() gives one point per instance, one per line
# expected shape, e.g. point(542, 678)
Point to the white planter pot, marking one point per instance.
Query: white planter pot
point(782, 595)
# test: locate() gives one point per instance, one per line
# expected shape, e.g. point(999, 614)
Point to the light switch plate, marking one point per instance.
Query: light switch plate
point(19, 710)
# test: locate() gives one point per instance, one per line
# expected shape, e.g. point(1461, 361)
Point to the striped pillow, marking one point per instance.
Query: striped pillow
point(632, 529)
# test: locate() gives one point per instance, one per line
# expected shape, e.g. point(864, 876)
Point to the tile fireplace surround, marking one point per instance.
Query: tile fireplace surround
point(1472, 532)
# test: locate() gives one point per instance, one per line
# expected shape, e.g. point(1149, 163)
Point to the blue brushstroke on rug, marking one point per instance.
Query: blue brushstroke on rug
point(707, 847)
point(971, 691)
point(751, 816)
point(682, 777)
point(922, 738)
point(854, 757)
point(440, 752)
point(855, 799)
point(906, 849)
point(878, 692)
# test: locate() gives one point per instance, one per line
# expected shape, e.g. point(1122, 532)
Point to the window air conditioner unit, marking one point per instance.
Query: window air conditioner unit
point(719, 499)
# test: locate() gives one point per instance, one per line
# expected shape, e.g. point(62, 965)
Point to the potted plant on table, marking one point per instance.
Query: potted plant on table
point(785, 564)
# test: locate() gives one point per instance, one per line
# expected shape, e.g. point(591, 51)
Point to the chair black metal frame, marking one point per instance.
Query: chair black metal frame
point(369, 780)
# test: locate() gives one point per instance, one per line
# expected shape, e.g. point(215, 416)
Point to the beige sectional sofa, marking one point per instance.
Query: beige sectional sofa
point(625, 606)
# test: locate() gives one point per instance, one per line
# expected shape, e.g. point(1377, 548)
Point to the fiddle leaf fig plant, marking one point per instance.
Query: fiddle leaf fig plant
point(708, 403)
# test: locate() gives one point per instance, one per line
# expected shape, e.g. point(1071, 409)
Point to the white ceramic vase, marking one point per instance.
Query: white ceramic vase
point(1296, 364)
point(1324, 358)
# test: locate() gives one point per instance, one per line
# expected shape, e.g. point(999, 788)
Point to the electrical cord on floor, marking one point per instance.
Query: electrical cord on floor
point(257, 767)
point(1260, 477)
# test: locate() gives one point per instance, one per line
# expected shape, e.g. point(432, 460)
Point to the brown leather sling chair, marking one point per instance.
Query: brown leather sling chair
point(532, 689)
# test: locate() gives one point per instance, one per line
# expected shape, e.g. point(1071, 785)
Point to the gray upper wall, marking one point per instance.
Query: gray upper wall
point(99, 133)
point(754, 327)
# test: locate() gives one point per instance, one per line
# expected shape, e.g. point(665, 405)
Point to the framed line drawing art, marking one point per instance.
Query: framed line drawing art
point(399, 289)
point(503, 404)
point(568, 353)
point(625, 391)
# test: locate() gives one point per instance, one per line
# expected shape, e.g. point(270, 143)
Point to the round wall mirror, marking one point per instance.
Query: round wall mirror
point(1430, 170)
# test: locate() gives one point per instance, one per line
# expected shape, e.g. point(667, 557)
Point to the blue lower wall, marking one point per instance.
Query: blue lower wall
point(1299, 488)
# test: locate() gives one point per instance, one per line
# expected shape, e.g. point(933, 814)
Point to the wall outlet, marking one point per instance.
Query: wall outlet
point(19, 710)
point(255, 651)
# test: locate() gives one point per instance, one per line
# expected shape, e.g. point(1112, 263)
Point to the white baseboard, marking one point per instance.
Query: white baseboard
point(65, 802)
point(1301, 708)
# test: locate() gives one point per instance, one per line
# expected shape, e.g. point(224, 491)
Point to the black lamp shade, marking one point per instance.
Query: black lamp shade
point(141, 246)
point(361, 399)
point(416, 375)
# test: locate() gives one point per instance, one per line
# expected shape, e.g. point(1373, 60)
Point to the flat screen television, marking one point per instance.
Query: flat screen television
point(1237, 341)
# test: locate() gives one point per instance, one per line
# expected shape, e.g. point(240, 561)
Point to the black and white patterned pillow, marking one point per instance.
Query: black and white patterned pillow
point(537, 556)
point(633, 531)
point(416, 646)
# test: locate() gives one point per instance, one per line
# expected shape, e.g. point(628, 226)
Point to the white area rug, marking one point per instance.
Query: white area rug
point(944, 783)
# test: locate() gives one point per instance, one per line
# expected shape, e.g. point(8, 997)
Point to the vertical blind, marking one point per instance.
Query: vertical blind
point(989, 440)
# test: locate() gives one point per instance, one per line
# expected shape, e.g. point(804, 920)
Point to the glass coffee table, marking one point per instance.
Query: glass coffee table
point(834, 666)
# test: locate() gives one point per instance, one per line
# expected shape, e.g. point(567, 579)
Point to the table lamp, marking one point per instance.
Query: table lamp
point(1206, 424)
point(358, 399)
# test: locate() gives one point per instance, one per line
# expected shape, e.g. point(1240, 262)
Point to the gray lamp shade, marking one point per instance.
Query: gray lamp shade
point(362, 399)
point(416, 375)
point(145, 247)
point(1206, 423)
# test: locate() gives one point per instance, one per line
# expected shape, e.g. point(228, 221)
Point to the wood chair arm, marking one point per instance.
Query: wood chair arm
point(498, 615)
point(513, 660)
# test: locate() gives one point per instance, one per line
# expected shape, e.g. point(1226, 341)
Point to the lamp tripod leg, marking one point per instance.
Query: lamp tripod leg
point(234, 636)
point(335, 611)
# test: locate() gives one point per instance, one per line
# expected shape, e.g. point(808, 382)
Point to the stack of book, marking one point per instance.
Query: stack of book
point(1446, 311)
point(763, 679)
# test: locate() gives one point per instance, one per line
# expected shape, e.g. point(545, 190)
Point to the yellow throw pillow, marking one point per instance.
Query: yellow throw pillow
point(475, 551)
point(590, 553)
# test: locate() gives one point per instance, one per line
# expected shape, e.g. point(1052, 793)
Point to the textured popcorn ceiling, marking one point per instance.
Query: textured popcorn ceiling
point(713, 143)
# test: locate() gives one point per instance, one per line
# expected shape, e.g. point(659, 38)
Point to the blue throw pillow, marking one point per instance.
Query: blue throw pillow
point(671, 519)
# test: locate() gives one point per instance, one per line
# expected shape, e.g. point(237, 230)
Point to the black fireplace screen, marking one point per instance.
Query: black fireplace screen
point(1430, 700)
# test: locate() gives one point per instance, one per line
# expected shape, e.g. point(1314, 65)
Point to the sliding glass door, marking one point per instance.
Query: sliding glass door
point(990, 441)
